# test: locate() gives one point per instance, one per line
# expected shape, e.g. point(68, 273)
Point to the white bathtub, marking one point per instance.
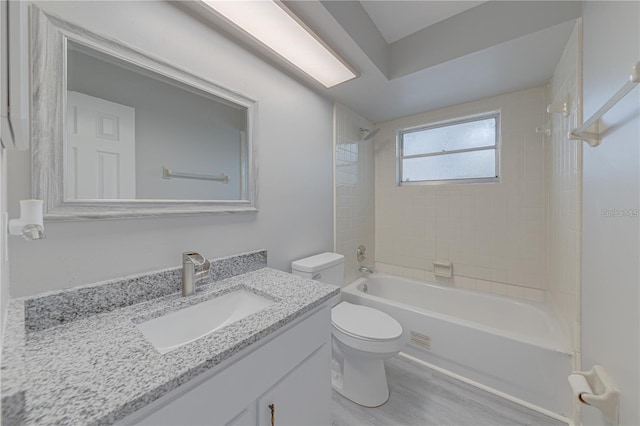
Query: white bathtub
point(513, 346)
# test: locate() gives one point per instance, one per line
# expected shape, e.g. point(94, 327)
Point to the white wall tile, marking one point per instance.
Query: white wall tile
point(483, 285)
point(480, 228)
point(564, 174)
point(354, 167)
point(515, 291)
point(533, 294)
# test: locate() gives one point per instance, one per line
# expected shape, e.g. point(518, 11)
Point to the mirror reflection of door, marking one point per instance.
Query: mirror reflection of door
point(100, 157)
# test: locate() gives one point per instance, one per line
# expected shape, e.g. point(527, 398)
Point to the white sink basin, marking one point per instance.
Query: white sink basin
point(175, 329)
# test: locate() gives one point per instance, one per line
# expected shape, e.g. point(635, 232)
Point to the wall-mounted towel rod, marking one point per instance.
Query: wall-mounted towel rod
point(168, 174)
point(589, 131)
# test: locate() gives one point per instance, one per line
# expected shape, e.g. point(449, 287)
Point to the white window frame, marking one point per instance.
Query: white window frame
point(460, 120)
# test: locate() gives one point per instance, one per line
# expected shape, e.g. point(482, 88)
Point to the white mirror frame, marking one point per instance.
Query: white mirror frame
point(49, 36)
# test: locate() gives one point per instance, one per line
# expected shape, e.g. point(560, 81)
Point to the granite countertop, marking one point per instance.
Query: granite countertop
point(99, 368)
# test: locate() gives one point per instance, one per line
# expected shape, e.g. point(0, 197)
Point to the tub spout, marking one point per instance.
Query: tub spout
point(366, 269)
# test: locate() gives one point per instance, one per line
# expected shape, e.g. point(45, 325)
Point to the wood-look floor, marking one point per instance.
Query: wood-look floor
point(421, 397)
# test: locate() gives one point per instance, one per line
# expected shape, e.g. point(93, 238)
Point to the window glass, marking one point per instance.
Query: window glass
point(458, 150)
point(472, 134)
point(463, 165)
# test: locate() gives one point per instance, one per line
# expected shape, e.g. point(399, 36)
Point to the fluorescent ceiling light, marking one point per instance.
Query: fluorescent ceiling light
point(272, 25)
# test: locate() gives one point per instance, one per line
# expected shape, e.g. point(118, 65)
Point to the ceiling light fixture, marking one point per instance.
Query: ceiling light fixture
point(277, 28)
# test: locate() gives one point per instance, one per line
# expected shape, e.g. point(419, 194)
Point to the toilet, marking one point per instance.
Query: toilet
point(361, 337)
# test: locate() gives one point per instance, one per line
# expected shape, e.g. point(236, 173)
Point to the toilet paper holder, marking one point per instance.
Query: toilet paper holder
point(596, 388)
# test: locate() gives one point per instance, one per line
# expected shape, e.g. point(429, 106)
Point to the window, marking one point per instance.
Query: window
point(464, 150)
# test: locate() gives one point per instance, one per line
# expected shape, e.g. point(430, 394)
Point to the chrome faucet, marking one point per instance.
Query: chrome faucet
point(366, 269)
point(191, 261)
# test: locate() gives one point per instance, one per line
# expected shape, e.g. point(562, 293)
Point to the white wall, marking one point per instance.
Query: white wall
point(564, 167)
point(493, 233)
point(611, 180)
point(4, 266)
point(174, 128)
point(354, 190)
point(295, 158)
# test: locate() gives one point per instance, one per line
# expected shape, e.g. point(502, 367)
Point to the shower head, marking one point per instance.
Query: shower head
point(369, 133)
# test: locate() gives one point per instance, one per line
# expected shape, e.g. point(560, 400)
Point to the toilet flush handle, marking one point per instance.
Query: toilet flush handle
point(316, 276)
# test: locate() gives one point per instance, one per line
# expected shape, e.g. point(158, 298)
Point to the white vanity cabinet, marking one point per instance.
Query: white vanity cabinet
point(289, 371)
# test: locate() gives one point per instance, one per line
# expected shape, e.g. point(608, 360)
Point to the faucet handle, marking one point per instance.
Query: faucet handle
point(197, 260)
point(193, 257)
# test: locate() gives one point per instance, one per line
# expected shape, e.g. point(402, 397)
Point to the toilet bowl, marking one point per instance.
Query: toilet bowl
point(362, 337)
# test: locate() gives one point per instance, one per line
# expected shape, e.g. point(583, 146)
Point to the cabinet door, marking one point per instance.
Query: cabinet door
point(302, 397)
point(217, 411)
point(246, 418)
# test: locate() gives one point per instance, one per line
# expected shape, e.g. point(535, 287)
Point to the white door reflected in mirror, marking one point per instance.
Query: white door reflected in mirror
point(101, 149)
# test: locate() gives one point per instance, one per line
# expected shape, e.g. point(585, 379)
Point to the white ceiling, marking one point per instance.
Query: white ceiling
point(493, 48)
point(526, 62)
point(398, 19)
point(448, 52)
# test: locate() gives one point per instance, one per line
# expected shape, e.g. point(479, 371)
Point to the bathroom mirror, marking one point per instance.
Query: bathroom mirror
point(119, 133)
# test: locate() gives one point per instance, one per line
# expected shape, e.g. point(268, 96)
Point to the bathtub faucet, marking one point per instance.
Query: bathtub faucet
point(366, 269)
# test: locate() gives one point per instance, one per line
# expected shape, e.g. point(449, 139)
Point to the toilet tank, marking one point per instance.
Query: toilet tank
point(326, 267)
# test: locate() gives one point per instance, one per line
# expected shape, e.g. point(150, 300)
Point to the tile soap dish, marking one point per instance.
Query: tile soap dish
point(442, 268)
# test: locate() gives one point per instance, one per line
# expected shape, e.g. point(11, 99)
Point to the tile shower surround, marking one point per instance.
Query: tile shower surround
point(564, 170)
point(354, 180)
point(493, 233)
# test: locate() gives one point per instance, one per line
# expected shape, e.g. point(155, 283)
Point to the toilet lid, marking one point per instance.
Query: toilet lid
point(365, 322)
